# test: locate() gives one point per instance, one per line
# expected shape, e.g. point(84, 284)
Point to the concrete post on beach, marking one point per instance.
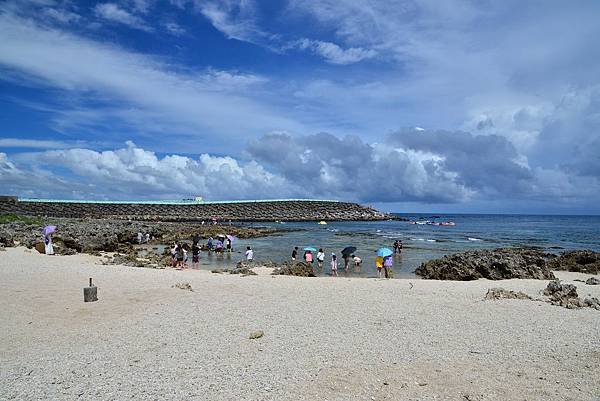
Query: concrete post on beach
point(90, 294)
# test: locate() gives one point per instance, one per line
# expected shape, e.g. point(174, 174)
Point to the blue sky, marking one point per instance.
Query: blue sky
point(454, 106)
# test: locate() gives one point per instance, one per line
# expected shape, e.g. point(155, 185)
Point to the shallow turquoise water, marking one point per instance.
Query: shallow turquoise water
point(421, 242)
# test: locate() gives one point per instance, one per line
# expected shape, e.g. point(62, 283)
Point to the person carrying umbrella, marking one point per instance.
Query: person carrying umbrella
point(48, 230)
point(380, 260)
point(230, 239)
point(346, 255)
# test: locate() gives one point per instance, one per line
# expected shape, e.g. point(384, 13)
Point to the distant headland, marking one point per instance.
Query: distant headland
point(195, 209)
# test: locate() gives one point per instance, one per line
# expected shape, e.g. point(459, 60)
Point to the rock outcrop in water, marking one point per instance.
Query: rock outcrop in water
point(584, 261)
point(290, 268)
point(493, 264)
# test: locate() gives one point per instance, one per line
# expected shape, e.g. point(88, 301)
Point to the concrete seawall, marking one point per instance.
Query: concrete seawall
point(284, 210)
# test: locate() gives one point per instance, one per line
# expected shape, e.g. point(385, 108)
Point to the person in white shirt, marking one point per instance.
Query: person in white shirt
point(249, 254)
point(320, 257)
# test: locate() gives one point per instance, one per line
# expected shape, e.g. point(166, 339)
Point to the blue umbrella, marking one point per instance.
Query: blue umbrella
point(310, 248)
point(383, 252)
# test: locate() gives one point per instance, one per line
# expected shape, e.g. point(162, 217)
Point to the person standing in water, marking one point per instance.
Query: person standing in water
point(308, 257)
point(334, 265)
point(379, 265)
point(320, 257)
point(195, 256)
point(388, 262)
point(179, 254)
point(249, 254)
point(346, 258)
point(295, 253)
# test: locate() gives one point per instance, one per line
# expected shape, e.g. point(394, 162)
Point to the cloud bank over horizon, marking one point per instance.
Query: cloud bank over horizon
point(237, 99)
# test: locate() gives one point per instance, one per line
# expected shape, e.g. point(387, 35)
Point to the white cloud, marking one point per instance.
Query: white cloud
point(114, 13)
point(35, 143)
point(131, 171)
point(234, 18)
point(61, 15)
point(142, 6)
point(200, 104)
point(175, 29)
point(334, 54)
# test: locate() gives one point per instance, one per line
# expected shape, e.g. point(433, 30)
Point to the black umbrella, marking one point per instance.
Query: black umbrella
point(348, 250)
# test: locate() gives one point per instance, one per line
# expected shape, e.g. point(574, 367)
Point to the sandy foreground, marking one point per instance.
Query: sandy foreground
point(324, 338)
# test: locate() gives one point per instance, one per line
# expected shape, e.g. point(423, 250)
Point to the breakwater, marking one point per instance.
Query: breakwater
point(267, 210)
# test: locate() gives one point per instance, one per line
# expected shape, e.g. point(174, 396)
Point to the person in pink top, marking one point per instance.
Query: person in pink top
point(308, 257)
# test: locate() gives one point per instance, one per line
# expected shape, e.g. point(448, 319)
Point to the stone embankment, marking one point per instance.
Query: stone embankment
point(292, 210)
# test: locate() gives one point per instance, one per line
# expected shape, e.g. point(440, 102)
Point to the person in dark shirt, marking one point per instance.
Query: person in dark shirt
point(295, 253)
point(195, 256)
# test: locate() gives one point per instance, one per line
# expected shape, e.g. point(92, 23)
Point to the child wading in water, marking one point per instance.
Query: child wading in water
point(320, 257)
point(249, 254)
point(334, 265)
point(379, 265)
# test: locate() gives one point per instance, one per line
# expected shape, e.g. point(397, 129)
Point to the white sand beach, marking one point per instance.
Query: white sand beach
point(324, 338)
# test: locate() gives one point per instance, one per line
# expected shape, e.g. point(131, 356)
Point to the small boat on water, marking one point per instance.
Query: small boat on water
point(322, 222)
point(433, 223)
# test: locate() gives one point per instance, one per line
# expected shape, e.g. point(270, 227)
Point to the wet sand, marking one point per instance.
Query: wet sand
point(324, 338)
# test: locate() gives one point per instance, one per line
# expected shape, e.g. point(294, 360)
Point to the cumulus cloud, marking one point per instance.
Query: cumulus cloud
point(334, 54)
point(407, 166)
point(348, 168)
point(486, 163)
point(32, 182)
point(131, 171)
point(113, 12)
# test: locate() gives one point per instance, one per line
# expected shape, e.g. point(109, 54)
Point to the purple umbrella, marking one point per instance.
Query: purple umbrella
point(48, 230)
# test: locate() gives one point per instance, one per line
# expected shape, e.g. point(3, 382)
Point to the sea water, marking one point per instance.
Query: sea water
point(421, 242)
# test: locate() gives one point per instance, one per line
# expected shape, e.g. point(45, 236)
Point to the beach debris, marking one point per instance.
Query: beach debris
point(90, 294)
point(256, 334)
point(184, 286)
point(501, 293)
point(219, 271)
point(2, 249)
point(592, 281)
point(492, 264)
point(300, 269)
point(583, 261)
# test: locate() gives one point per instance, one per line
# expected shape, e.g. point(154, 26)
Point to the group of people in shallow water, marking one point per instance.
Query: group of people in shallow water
point(180, 256)
point(180, 251)
point(382, 264)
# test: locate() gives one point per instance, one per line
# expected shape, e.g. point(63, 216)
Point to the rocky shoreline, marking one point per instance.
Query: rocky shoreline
point(507, 263)
point(103, 235)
